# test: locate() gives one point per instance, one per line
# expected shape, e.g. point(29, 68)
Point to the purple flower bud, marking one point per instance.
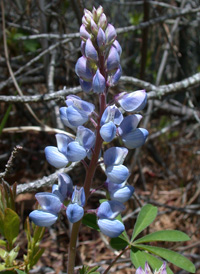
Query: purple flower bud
point(74, 213)
point(115, 156)
point(94, 13)
point(108, 131)
point(113, 59)
point(129, 124)
point(82, 69)
point(133, 101)
point(110, 209)
point(111, 228)
point(99, 82)
point(102, 21)
point(64, 119)
point(135, 138)
point(101, 38)
point(75, 152)
point(90, 51)
point(49, 202)
point(55, 158)
point(83, 48)
point(88, 15)
point(99, 11)
point(43, 218)
point(94, 27)
point(86, 86)
point(65, 185)
point(78, 196)
point(110, 34)
point(118, 47)
point(84, 34)
point(84, 21)
point(85, 137)
point(113, 79)
point(117, 174)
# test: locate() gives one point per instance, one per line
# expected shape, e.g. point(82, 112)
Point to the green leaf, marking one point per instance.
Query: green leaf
point(2, 243)
point(1, 223)
point(137, 257)
point(19, 271)
point(118, 243)
point(164, 235)
point(37, 257)
point(93, 270)
point(155, 263)
point(171, 256)
point(3, 253)
point(11, 225)
point(145, 218)
point(91, 221)
point(38, 233)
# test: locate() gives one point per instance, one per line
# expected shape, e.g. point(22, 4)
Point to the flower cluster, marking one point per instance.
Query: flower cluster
point(147, 270)
point(97, 69)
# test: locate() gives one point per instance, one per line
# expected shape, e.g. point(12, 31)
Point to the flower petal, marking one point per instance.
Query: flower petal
point(65, 185)
point(110, 209)
point(74, 213)
point(110, 33)
point(118, 47)
point(55, 158)
point(90, 51)
point(82, 69)
point(113, 59)
point(117, 174)
point(75, 152)
point(43, 218)
point(108, 131)
point(64, 119)
point(111, 228)
point(77, 102)
point(78, 196)
point(101, 38)
point(133, 101)
point(129, 124)
point(49, 202)
point(84, 34)
point(113, 79)
point(122, 194)
point(86, 86)
point(115, 155)
point(135, 138)
point(76, 116)
point(85, 137)
point(139, 270)
point(62, 142)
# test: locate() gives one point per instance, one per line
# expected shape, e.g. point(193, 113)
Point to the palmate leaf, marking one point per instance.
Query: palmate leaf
point(118, 243)
point(171, 256)
point(164, 235)
point(145, 218)
point(137, 257)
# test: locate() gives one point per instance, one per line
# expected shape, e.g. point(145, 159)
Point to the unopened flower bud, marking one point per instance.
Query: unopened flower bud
point(110, 34)
point(113, 59)
point(118, 47)
point(99, 11)
point(113, 79)
point(86, 86)
point(90, 51)
point(82, 69)
point(84, 34)
point(88, 15)
point(102, 21)
point(99, 82)
point(94, 27)
point(101, 38)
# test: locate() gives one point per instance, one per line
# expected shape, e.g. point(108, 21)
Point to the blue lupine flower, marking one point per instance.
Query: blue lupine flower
point(75, 210)
point(147, 269)
point(64, 119)
point(120, 192)
point(133, 101)
point(51, 206)
point(75, 152)
point(86, 86)
point(77, 102)
point(99, 82)
point(118, 47)
point(113, 159)
point(85, 137)
point(56, 156)
point(114, 78)
point(90, 51)
point(83, 69)
point(101, 38)
point(107, 212)
point(112, 116)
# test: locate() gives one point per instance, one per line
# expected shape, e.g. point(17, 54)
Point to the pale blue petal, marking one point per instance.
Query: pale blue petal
point(85, 137)
point(122, 194)
point(113, 59)
point(101, 38)
point(43, 218)
point(62, 142)
point(76, 116)
point(114, 78)
point(110, 209)
point(111, 228)
point(84, 34)
point(135, 138)
point(118, 47)
point(111, 113)
point(98, 83)
point(65, 185)
point(57, 192)
point(55, 158)
point(77, 102)
point(129, 124)
point(117, 174)
point(115, 155)
point(108, 131)
point(49, 202)
point(110, 33)
point(74, 213)
point(75, 152)
point(118, 118)
point(64, 119)
point(133, 101)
